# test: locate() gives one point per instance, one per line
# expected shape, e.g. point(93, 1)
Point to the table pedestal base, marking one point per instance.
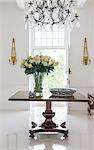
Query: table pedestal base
point(64, 131)
point(48, 125)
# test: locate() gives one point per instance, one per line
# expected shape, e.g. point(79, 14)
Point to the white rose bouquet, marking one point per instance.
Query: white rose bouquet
point(38, 64)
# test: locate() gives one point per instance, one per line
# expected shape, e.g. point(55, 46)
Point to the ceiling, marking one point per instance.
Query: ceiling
point(26, 0)
point(20, 3)
point(13, 0)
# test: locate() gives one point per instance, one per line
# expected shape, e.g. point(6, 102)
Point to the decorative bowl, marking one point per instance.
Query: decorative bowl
point(62, 91)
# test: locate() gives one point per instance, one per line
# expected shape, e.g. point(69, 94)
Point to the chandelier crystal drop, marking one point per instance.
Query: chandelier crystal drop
point(51, 12)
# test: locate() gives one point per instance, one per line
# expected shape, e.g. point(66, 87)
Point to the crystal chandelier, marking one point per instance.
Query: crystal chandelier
point(51, 12)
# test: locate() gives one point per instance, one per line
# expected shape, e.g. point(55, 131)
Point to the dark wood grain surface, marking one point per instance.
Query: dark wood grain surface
point(24, 96)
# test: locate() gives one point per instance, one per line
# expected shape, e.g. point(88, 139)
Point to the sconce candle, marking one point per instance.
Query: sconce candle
point(86, 59)
point(13, 59)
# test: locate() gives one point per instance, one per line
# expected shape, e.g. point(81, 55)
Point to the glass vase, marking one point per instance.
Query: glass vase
point(38, 89)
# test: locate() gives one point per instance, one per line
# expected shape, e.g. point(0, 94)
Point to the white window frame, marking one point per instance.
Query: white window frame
point(33, 48)
point(50, 47)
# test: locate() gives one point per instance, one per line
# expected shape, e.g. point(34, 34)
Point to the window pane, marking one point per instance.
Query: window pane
point(38, 42)
point(37, 35)
point(54, 79)
point(55, 42)
point(61, 42)
point(45, 38)
point(61, 35)
point(49, 42)
point(55, 34)
point(49, 35)
point(43, 42)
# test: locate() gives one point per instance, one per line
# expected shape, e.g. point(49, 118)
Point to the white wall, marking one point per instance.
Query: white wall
point(93, 39)
point(82, 76)
point(12, 78)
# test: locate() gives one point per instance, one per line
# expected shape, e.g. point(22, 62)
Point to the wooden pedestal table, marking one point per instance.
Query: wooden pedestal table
point(48, 125)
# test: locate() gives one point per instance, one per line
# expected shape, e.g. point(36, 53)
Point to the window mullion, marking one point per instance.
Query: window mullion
point(49, 39)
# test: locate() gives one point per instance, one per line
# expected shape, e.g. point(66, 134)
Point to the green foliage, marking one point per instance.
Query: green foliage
point(37, 64)
point(56, 79)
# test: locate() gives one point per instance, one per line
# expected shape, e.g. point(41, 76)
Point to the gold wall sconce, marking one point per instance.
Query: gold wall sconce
point(13, 59)
point(86, 59)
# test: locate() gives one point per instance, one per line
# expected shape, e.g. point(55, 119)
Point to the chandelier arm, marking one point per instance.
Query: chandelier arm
point(57, 22)
point(51, 2)
point(63, 3)
point(39, 21)
point(66, 17)
point(43, 22)
point(59, 3)
point(59, 14)
point(71, 2)
point(62, 16)
point(44, 3)
point(30, 4)
point(50, 13)
point(36, 3)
